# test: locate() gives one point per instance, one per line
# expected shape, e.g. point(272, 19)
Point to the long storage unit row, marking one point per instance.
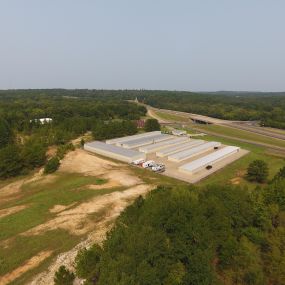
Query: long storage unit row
point(162, 145)
point(134, 137)
point(179, 147)
point(189, 153)
point(112, 151)
point(208, 160)
point(146, 141)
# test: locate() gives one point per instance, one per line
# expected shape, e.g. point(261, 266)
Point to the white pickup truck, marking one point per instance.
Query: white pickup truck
point(158, 168)
point(148, 164)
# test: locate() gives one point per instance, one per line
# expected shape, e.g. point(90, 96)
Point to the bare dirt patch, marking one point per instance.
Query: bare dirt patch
point(60, 208)
point(12, 210)
point(51, 151)
point(123, 177)
point(236, 181)
point(13, 190)
point(79, 161)
point(115, 203)
point(76, 220)
point(28, 265)
point(109, 184)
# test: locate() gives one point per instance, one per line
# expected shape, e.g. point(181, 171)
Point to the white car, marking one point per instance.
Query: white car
point(149, 163)
point(158, 167)
point(138, 161)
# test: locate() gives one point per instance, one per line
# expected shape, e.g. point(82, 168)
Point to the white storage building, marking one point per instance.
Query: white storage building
point(146, 141)
point(134, 137)
point(157, 146)
point(208, 160)
point(189, 153)
point(112, 151)
point(178, 148)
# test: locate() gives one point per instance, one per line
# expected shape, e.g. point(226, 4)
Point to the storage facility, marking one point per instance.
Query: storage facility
point(146, 141)
point(134, 137)
point(177, 156)
point(208, 160)
point(189, 153)
point(177, 148)
point(112, 151)
point(157, 146)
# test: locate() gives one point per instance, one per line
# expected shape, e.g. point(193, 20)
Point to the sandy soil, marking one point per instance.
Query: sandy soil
point(76, 220)
point(28, 265)
point(109, 184)
point(51, 151)
point(60, 208)
point(12, 210)
point(115, 203)
point(79, 161)
point(13, 190)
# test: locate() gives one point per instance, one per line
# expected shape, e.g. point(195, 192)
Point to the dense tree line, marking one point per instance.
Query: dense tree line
point(24, 139)
point(108, 130)
point(269, 108)
point(188, 235)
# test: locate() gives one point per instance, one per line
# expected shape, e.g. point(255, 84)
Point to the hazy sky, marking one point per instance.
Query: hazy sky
point(151, 44)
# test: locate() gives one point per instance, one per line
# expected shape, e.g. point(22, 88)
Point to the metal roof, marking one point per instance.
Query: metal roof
point(112, 148)
point(129, 138)
point(193, 151)
point(146, 140)
point(209, 159)
point(179, 147)
point(167, 143)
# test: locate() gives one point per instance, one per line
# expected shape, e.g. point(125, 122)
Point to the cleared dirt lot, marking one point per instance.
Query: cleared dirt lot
point(104, 188)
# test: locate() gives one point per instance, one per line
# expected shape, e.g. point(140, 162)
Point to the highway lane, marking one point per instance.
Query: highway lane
point(232, 124)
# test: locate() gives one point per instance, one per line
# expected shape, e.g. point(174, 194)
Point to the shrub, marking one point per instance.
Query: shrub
point(63, 276)
point(151, 125)
point(52, 165)
point(63, 149)
point(257, 171)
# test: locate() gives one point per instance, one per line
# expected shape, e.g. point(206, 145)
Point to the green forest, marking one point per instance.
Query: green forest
point(24, 139)
point(268, 108)
point(176, 235)
point(190, 236)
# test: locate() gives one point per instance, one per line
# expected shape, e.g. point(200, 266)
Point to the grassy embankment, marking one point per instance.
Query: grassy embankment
point(171, 117)
point(39, 197)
